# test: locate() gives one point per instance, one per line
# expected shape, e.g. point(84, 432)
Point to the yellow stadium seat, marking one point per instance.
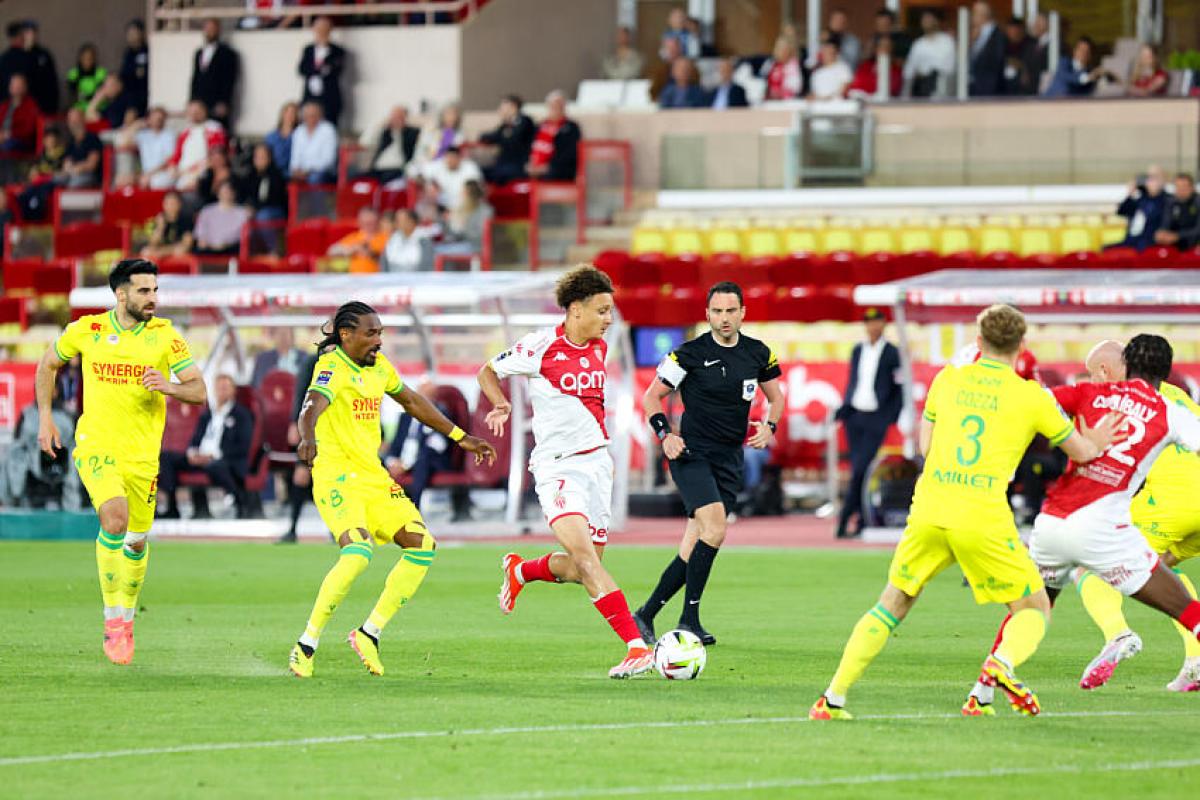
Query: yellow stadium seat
point(915, 240)
point(834, 240)
point(648, 240)
point(724, 240)
point(995, 239)
point(1112, 234)
point(1034, 241)
point(877, 240)
point(954, 240)
point(800, 240)
point(684, 241)
point(762, 242)
point(1077, 239)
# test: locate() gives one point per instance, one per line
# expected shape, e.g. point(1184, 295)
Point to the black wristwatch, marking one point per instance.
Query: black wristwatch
point(772, 425)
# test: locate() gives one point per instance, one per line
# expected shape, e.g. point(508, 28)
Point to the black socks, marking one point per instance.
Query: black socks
point(672, 581)
point(699, 565)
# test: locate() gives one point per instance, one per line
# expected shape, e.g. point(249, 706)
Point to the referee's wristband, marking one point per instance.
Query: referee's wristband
point(660, 425)
point(457, 434)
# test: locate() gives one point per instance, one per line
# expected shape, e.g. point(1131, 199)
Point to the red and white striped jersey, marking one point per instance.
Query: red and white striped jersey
point(566, 386)
point(1107, 485)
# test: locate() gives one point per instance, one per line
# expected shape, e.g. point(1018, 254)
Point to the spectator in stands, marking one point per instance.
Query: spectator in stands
point(217, 172)
point(363, 246)
point(1145, 206)
point(677, 30)
point(220, 448)
point(659, 72)
point(314, 147)
point(428, 210)
point(13, 59)
point(155, 146)
point(785, 78)
point(727, 94)
point(625, 63)
point(1018, 45)
point(192, 146)
point(280, 139)
point(1039, 54)
point(1075, 76)
point(171, 232)
point(449, 173)
point(135, 67)
point(263, 188)
point(219, 225)
point(85, 77)
point(391, 147)
point(851, 46)
point(407, 249)
point(81, 168)
point(886, 25)
point(321, 66)
point(215, 70)
point(18, 118)
point(283, 356)
point(1182, 228)
point(830, 80)
point(684, 89)
point(866, 77)
point(466, 223)
point(436, 139)
point(511, 142)
point(37, 65)
point(418, 450)
point(1148, 78)
point(929, 68)
point(34, 199)
point(555, 149)
point(110, 105)
point(987, 53)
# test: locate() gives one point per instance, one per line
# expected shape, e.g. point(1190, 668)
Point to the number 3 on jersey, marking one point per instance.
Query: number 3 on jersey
point(976, 448)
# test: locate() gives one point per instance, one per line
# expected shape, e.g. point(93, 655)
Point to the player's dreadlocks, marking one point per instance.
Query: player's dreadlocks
point(345, 317)
point(1149, 357)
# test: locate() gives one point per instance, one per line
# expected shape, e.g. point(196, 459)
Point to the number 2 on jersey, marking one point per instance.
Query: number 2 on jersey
point(1119, 451)
point(976, 446)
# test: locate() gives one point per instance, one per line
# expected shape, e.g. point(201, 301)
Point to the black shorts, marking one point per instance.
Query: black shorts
point(709, 475)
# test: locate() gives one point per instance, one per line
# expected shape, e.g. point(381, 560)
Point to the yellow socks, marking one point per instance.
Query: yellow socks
point(1103, 604)
point(109, 562)
point(402, 583)
point(866, 641)
point(1022, 636)
point(133, 571)
point(1191, 646)
point(353, 561)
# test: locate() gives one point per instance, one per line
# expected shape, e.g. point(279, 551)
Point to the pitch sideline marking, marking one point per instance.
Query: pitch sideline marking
point(211, 747)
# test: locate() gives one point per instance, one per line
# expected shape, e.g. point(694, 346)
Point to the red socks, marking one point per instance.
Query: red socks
point(1000, 633)
point(615, 611)
point(1190, 618)
point(537, 570)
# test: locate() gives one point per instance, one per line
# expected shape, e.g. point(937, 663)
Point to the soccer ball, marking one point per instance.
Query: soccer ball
point(679, 656)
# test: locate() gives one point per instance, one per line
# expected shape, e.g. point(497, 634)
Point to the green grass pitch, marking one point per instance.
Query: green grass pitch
point(476, 705)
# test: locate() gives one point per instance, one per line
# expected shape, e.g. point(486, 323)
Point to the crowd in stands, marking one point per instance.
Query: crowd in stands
point(1009, 59)
point(1158, 218)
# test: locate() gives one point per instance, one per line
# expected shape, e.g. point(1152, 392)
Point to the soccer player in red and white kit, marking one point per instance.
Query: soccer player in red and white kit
point(572, 470)
point(1085, 521)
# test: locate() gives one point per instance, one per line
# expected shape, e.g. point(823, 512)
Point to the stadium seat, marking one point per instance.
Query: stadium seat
point(277, 393)
point(357, 194)
point(954, 240)
point(762, 242)
point(914, 240)
point(1111, 234)
point(56, 277)
point(493, 475)
point(19, 276)
point(877, 240)
point(1033, 241)
point(85, 238)
point(684, 241)
point(131, 206)
point(13, 312)
point(648, 240)
point(839, 240)
point(724, 240)
point(996, 239)
point(1077, 239)
point(800, 240)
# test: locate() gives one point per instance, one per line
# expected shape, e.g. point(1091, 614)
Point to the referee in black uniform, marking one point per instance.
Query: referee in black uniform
point(723, 368)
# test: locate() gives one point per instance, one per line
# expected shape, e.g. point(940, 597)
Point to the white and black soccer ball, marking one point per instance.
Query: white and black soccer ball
point(679, 655)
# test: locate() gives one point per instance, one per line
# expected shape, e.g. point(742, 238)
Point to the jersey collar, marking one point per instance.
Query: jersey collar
point(991, 363)
point(342, 355)
point(116, 323)
point(561, 330)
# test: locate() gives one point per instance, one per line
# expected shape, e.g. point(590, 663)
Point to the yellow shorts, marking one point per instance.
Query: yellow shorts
point(1171, 529)
point(367, 500)
point(996, 563)
point(106, 477)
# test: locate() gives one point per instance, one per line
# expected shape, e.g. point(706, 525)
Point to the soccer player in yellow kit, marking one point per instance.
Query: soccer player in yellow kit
point(978, 422)
point(355, 495)
point(128, 355)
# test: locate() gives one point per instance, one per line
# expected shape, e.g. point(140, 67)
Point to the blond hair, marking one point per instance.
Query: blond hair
point(1002, 328)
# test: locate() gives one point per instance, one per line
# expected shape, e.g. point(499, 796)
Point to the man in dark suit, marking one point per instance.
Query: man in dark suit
point(321, 67)
point(220, 448)
point(727, 94)
point(215, 70)
point(871, 405)
point(988, 52)
point(512, 140)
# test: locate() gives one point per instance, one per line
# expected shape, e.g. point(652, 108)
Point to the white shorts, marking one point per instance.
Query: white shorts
point(1116, 552)
point(580, 485)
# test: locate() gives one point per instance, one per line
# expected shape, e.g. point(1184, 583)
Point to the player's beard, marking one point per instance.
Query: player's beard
point(142, 314)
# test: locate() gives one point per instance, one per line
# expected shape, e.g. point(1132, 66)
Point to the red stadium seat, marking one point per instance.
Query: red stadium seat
point(277, 393)
point(510, 202)
point(309, 238)
point(178, 265)
point(85, 238)
point(19, 276)
point(494, 475)
point(355, 195)
point(54, 278)
point(13, 312)
point(131, 206)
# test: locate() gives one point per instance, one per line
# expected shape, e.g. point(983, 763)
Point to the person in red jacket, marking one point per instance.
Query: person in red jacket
point(18, 118)
point(866, 77)
point(195, 142)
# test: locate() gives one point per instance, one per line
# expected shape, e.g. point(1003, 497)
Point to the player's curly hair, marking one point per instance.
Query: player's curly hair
point(1149, 357)
point(346, 316)
point(1002, 328)
point(580, 283)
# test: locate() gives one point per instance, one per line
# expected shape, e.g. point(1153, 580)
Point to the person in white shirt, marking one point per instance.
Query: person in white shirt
point(155, 144)
point(829, 81)
point(407, 250)
point(929, 69)
point(192, 146)
point(451, 172)
point(314, 147)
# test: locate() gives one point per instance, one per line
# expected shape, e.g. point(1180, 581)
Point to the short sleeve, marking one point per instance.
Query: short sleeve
point(70, 343)
point(1185, 427)
point(179, 355)
point(1068, 398)
point(1048, 419)
point(394, 382)
point(931, 397)
point(523, 358)
point(325, 378)
point(770, 370)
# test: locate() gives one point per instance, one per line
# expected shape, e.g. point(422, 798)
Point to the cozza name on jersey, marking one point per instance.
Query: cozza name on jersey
point(579, 383)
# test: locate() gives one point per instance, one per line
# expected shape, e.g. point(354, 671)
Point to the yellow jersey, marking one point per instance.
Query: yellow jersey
point(984, 417)
point(120, 416)
point(1175, 477)
point(348, 432)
